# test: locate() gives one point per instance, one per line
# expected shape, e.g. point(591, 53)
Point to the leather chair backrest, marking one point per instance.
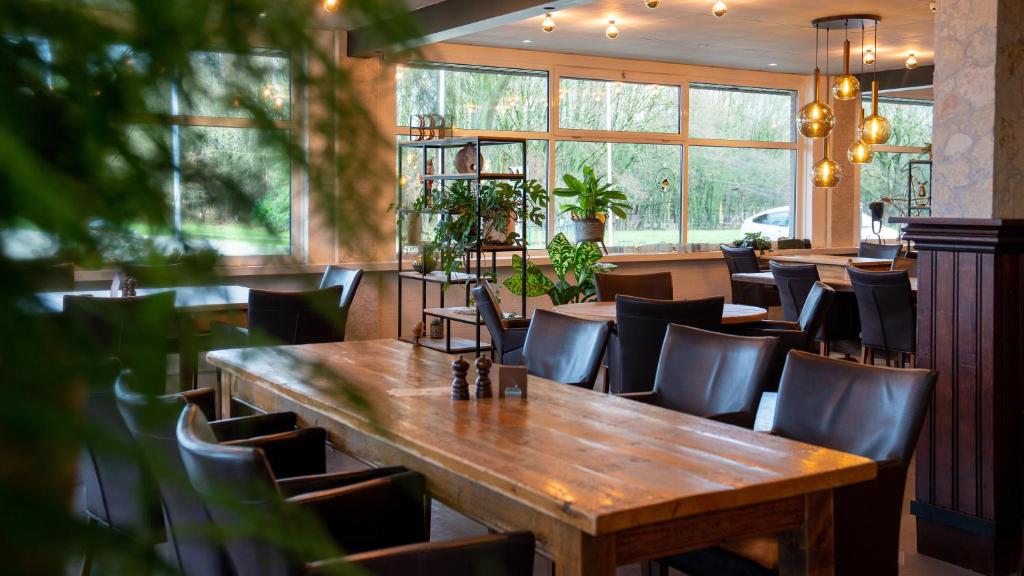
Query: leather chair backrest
point(348, 279)
point(794, 282)
point(307, 317)
point(240, 492)
point(640, 328)
point(815, 309)
point(490, 311)
point(706, 373)
point(565, 349)
point(117, 493)
point(657, 286)
point(870, 411)
point(134, 330)
point(740, 260)
point(872, 250)
point(888, 318)
point(152, 420)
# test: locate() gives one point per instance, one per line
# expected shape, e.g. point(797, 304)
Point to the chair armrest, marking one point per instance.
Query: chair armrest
point(317, 482)
point(742, 419)
point(371, 515)
point(205, 398)
point(512, 552)
point(517, 323)
point(295, 453)
point(249, 426)
point(645, 397)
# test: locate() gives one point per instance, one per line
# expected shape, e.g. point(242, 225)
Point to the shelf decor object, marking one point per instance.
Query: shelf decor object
point(444, 154)
point(919, 188)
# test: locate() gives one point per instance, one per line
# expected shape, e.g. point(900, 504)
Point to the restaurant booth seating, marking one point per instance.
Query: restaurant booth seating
point(870, 411)
point(508, 335)
point(711, 375)
point(656, 286)
point(379, 522)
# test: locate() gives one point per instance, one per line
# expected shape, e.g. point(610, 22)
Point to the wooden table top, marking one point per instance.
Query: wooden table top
point(838, 280)
point(605, 311)
point(832, 260)
point(186, 298)
point(590, 460)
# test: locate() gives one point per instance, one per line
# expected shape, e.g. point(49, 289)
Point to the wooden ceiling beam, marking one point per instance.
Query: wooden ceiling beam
point(450, 19)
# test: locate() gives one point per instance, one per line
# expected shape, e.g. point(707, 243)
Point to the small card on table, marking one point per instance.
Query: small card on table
point(512, 381)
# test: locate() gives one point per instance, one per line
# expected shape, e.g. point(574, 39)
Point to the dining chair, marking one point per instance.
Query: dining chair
point(794, 282)
point(710, 374)
point(872, 250)
point(635, 343)
point(296, 456)
point(744, 260)
point(656, 286)
point(303, 317)
point(870, 411)
point(799, 335)
point(888, 315)
point(379, 522)
point(508, 335)
point(565, 349)
point(139, 331)
point(348, 279)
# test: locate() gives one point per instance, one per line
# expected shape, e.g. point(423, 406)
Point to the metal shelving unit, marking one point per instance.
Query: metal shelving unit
point(438, 185)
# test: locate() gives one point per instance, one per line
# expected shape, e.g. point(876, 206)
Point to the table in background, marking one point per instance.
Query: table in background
point(605, 311)
point(833, 261)
point(199, 306)
point(601, 481)
point(839, 281)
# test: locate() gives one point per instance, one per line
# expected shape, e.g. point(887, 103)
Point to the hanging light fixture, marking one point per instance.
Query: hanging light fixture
point(548, 25)
point(816, 119)
point(612, 31)
point(877, 129)
point(860, 152)
point(911, 62)
point(869, 56)
point(846, 85)
point(331, 5)
point(826, 172)
point(719, 9)
point(652, 3)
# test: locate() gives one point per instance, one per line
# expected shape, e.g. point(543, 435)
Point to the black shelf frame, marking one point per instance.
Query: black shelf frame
point(438, 186)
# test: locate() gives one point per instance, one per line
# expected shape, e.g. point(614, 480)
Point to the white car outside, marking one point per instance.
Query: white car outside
point(774, 224)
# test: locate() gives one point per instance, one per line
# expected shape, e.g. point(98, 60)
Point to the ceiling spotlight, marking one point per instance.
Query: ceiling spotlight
point(548, 25)
point(911, 62)
point(772, 64)
point(932, 7)
point(331, 5)
point(612, 31)
point(527, 41)
point(719, 9)
point(869, 56)
point(652, 3)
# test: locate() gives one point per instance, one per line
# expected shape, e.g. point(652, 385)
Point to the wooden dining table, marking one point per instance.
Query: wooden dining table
point(198, 306)
point(839, 280)
point(834, 261)
point(605, 311)
point(601, 481)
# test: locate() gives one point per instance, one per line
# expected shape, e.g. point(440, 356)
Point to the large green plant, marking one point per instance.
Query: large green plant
point(570, 263)
point(593, 200)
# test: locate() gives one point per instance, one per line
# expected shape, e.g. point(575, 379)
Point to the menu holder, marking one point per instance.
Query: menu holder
point(512, 381)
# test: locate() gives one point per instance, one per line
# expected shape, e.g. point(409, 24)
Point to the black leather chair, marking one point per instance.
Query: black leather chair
point(285, 318)
point(656, 286)
point(138, 331)
point(378, 521)
point(799, 335)
point(872, 250)
point(565, 349)
point(744, 260)
point(870, 411)
point(888, 315)
point(711, 375)
point(348, 279)
point(636, 342)
point(794, 281)
point(507, 335)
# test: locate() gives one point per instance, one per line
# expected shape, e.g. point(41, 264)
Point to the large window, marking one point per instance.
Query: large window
point(729, 169)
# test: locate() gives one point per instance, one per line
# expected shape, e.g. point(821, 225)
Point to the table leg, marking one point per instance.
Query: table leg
point(579, 554)
point(810, 549)
point(188, 355)
point(223, 393)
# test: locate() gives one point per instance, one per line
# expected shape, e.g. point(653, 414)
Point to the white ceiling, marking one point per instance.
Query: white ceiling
point(754, 33)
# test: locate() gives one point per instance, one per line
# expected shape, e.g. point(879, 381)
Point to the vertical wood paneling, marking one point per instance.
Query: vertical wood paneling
point(944, 350)
point(925, 359)
point(990, 279)
point(965, 408)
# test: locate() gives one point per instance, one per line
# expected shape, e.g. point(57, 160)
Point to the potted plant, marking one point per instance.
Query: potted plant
point(581, 260)
point(755, 240)
point(592, 203)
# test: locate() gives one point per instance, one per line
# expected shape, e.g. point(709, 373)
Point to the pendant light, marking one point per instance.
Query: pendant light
point(331, 5)
point(911, 62)
point(869, 56)
point(719, 9)
point(548, 25)
point(612, 31)
point(826, 172)
point(816, 119)
point(846, 86)
point(860, 152)
point(877, 129)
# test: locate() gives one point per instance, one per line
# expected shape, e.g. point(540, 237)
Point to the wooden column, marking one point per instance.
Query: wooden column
point(971, 330)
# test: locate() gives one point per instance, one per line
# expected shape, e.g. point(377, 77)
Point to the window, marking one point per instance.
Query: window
point(618, 106)
point(733, 113)
point(474, 98)
point(911, 120)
